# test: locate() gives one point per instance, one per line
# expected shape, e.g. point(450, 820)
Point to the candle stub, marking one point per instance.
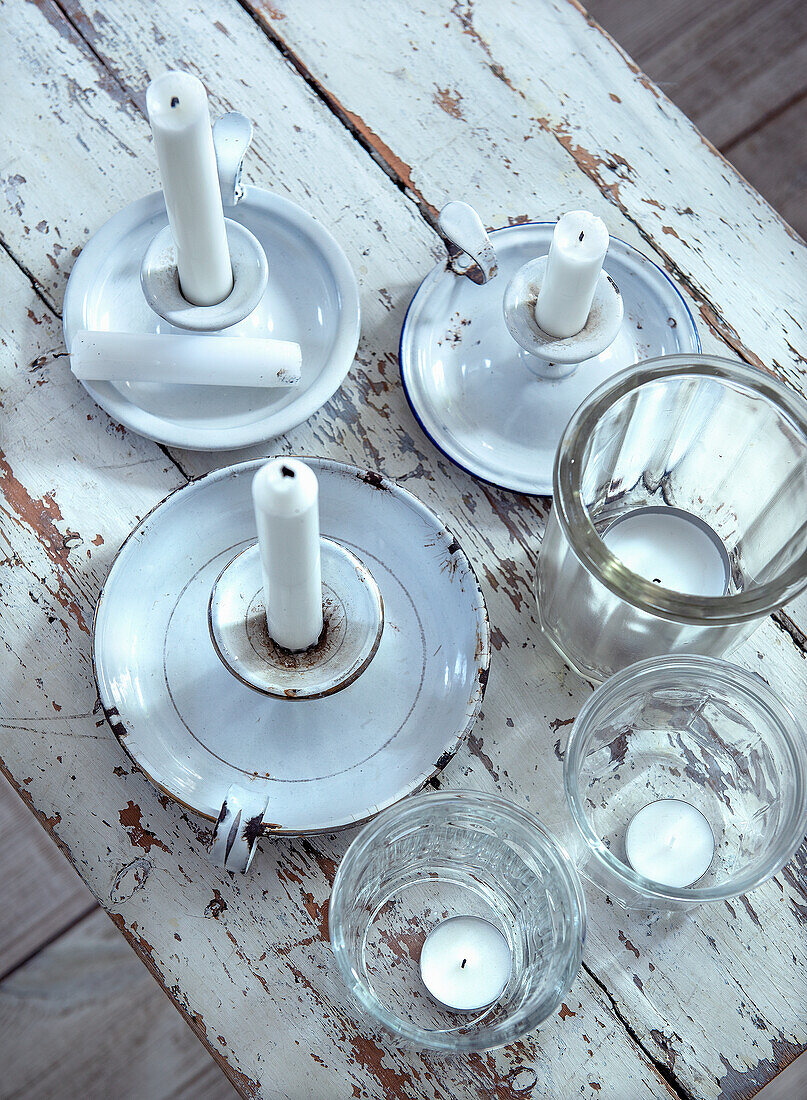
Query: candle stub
point(670, 842)
point(576, 255)
point(465, 963)
point(672, 548)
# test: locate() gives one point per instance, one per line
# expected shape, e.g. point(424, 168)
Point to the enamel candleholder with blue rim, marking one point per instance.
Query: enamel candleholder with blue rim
point(489, 388)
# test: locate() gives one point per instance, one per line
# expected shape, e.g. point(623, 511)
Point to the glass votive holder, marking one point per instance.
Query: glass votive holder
point(492, 896)
point(686, 778)
point(678, 522)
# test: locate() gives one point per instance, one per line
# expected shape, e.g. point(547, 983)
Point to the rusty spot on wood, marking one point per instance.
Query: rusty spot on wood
point(140, 837)
point(565, 1011)
point(614, 97)
point(448, 101)
point(40, 516)
point(216, 906)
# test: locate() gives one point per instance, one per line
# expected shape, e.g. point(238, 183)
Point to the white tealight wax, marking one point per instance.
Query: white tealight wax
point(670, 842)
point(672, 548)
point(465, 963)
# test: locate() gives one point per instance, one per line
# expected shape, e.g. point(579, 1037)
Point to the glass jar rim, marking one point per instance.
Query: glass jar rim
point(739, 681)
point(591, 550)
point(526, 1020)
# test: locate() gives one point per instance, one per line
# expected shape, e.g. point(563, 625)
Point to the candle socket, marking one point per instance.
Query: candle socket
point(552, 357)
point(159, 279)
point(353, 621)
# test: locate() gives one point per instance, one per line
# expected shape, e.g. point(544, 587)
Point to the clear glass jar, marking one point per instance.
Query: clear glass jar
point(723, 443)
point(702, 732)
point(442, 855)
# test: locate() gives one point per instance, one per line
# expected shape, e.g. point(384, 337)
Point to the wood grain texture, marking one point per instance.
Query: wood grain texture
point(72, 1018)
point(42, 894)
point(247, 961)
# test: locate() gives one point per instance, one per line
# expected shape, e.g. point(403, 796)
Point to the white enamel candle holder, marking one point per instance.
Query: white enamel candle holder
point(317, 741)
point(490, 389)
point(292, 282)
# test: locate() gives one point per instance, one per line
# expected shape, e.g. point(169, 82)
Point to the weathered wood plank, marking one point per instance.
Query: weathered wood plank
point(42, 895)
point(266, 950)
point(468, 88)
point(277, 1013)
point(83, 1018)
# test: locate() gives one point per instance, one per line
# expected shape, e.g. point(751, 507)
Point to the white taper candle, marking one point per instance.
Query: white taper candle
point(285, 493)
point(576, 254)
point(183, 140)
point(184, 359)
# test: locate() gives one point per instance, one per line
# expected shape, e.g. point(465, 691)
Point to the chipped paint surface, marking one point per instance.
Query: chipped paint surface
point(707, 1004)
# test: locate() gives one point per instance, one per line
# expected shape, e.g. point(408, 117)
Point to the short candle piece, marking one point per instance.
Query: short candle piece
point(465, 963)
point(285, 493)
point(670, 842)
point(576, 256)
point(672, 548)
point(183, 140)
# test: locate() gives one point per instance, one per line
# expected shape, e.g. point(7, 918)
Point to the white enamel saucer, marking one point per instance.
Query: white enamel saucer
point(471, 386)
point(311, 298)
point(196, 730)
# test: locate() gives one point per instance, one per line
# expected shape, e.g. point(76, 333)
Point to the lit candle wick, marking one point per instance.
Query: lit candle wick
point(464, 961)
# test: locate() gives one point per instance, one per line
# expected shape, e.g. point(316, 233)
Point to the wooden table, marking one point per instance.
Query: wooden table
point(370, 115)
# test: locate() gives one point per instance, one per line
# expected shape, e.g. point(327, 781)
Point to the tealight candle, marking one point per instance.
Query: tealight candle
point(670, 842)
point(183, 140)
point(672, 548)
point(285, 493)
point(576, 255)
point(465, 963)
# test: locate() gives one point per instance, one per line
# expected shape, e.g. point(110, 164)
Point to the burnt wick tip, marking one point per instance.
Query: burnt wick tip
point(175, 101)
point(286, 471)
point(581, 235)
point(464, 961)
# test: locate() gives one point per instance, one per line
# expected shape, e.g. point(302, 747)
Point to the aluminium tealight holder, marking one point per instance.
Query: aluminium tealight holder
point(291, 281)
point(490, 389)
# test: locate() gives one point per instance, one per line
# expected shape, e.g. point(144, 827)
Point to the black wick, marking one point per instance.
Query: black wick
point(464, 961)
point(175, 101)
point(581, 235)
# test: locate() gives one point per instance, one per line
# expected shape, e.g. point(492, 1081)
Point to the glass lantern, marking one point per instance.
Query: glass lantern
point(680, 514)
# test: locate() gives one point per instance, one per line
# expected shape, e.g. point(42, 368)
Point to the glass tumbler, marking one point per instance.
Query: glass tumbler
point(724, 445)
point(707, 736)
point(449, 854)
